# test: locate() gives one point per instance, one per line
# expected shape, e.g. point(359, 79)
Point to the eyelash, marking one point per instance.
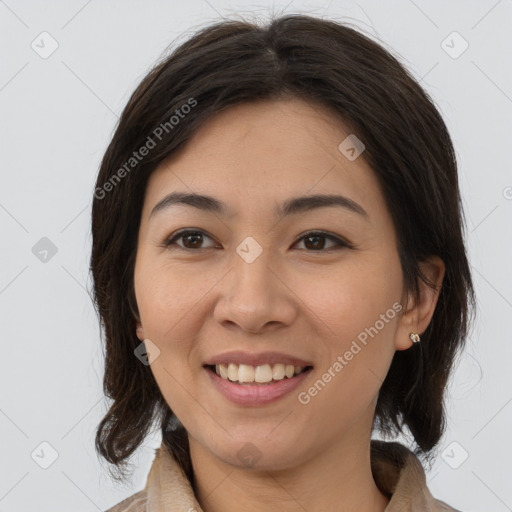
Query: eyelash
point(340, 242)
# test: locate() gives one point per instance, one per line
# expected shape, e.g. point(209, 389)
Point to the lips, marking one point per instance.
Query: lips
point(254, 394)
point(256, 379)
point(270, 358)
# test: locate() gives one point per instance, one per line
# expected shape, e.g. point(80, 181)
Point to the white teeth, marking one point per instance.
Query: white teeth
point(223, 370)
point(245, 373)
point(262, 374)
point(278, 372)
point(233, 372)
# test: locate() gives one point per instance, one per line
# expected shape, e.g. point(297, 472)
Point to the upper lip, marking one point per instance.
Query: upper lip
point(240, 357)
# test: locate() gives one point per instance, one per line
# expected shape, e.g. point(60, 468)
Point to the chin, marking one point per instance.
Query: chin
point(255, 451)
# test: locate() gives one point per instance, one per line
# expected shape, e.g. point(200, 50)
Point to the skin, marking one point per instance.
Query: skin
point(204, 301)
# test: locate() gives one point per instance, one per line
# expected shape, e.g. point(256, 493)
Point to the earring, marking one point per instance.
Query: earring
point(415, 338)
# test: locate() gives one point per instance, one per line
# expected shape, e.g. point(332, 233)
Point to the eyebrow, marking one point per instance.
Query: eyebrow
point(289, 207)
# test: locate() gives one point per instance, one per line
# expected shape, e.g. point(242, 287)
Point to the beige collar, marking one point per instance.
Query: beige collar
point(396, 470)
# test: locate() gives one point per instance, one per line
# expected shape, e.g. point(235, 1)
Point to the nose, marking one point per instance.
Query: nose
point(254, 297)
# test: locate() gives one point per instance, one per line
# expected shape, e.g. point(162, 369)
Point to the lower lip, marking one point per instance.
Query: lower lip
point(256, 394)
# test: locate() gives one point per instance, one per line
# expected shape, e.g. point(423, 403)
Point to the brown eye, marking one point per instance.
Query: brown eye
point(191, 240)
point(315, 241)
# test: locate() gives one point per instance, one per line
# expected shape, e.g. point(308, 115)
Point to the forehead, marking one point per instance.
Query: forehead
point(258, 154)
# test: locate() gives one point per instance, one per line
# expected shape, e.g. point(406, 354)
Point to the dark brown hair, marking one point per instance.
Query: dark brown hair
point(407, 146)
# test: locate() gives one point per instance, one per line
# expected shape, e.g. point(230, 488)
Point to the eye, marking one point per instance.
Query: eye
point(192, 239)
point(313, 239)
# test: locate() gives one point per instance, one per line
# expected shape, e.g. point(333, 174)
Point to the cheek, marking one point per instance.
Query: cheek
point(347, 299)
point(354, 363)
point(357, 311)
point(166, 299)
point(167, 295)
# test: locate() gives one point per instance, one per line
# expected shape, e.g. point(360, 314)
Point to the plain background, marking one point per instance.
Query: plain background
point(57, 116)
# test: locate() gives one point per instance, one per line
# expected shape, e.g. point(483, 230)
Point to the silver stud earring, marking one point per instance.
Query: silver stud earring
point(415, 338)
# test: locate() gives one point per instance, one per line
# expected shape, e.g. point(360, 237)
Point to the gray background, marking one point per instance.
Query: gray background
point(57, 116)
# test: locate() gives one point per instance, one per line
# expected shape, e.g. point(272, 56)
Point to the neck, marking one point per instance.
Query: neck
point(336, 479)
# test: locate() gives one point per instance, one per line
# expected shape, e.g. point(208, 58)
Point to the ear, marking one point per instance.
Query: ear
point(417, 314)
point(140, 332)
point(132, 303)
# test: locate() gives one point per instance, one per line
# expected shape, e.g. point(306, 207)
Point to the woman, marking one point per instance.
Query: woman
point(280, 271)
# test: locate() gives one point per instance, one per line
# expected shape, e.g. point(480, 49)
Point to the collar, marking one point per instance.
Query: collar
point(396, 470)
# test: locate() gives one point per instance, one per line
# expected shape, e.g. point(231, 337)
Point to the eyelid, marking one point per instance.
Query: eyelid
point(337, 239)
point(170, 240)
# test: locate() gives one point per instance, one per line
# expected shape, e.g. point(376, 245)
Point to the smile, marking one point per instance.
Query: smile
point(261, 374)
point(251, 393)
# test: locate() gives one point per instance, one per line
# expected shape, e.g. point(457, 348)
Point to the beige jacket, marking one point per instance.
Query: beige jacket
point(396, 471)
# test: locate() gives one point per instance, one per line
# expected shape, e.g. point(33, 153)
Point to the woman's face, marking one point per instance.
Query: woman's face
point(254, 290)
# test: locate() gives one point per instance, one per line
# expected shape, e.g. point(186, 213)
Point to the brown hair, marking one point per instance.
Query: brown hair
point(407, 145)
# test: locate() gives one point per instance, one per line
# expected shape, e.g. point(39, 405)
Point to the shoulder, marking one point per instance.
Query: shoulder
point(135, 503)
point(399, 474)
point(441, 506)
